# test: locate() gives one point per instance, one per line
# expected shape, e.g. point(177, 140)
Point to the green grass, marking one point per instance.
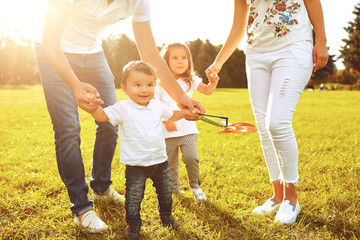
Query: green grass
point(34, 203)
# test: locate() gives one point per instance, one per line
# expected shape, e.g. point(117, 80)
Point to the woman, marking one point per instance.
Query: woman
point(280, 60)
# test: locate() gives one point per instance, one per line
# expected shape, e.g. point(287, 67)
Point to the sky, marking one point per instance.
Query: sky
point(186, 20)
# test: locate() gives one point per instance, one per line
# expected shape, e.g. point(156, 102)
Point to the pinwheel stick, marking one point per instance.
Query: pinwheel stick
point(226, 118)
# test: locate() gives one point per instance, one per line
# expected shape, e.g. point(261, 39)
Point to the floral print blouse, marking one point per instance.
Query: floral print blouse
point(273, 24)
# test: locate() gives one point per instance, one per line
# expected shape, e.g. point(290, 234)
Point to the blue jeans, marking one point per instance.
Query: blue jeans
point(136, 177)
point(61, 104)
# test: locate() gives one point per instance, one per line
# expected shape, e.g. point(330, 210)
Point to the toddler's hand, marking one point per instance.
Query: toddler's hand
point(90, 98)
point(170, 126)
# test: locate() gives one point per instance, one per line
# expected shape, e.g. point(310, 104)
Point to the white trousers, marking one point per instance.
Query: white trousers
point(276, 80)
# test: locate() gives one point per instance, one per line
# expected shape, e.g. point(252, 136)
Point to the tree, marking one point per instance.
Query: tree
point(119, 50)
point(232, 74)
point(350, 52)
point(234, 71)
point(17, 61)
point(18, 64)
point(203, 55)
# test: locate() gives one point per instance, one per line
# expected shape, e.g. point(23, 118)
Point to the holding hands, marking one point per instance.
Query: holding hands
point(91, 100)
point(87, 97)
point(212, 72)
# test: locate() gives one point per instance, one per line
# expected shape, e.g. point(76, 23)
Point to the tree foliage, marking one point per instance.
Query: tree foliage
point(119, 50)
point(232, 74)
point(18, 64)
point(346, 77)
point(350, 52)
point(17, 61)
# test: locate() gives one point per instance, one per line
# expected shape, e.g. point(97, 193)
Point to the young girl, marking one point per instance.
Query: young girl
point(182, 134)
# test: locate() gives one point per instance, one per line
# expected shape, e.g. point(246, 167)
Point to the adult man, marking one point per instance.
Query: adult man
point(71, 62)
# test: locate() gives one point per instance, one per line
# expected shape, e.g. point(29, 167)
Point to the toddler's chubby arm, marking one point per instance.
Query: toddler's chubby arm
point(98, 114)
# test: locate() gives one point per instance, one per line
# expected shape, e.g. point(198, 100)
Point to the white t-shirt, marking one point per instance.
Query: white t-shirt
point(183, 126)
point(273, 24)
point(90, 18)
point(141, 138)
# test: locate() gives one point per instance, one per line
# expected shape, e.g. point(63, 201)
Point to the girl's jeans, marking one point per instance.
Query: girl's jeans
point(276, 80)
point(136, 177)
point(61, 104)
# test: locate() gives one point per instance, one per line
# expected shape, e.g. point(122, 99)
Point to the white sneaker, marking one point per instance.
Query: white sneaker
point(199, 195)
point(90, 222)
point(269, 207)
point(111, 195)
point(287, 212)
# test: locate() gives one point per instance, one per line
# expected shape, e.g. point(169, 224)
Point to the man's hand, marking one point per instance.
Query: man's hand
point(87, 97)
point(194, 106)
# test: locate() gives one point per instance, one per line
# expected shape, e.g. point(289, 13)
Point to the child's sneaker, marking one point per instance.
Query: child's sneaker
point(199, 195)
point(132, 231)
point(269, 207)
point(168, 221)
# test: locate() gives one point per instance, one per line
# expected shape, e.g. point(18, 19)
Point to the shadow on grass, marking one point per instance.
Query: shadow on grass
point(217, 219)
point(336, 226)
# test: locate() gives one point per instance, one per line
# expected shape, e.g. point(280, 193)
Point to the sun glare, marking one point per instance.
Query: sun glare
point(21, 18)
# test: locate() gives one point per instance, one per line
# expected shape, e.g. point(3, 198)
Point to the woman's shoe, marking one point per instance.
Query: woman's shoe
point(288, 212)
point(269, 207)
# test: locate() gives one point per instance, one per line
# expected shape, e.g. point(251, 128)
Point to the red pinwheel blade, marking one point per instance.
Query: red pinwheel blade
point(239, 128)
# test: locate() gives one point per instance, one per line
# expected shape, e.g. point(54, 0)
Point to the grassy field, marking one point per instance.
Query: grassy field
point(34, 203)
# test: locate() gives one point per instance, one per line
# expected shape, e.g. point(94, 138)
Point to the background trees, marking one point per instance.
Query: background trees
point(119, 50)
point(350, 52)
point(18, 66)
point(17, 61)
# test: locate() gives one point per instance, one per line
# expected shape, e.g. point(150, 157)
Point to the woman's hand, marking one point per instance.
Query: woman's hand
point(320, 56)
point(212, 72)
